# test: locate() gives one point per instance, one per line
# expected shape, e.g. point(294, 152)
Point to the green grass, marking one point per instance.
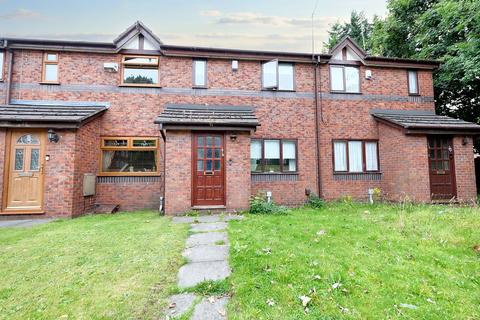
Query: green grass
point(96, 267)
point(357, 261)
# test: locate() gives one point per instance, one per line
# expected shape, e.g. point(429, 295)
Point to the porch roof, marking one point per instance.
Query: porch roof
point(203, 116)
point(49, 115)
point(416, 122)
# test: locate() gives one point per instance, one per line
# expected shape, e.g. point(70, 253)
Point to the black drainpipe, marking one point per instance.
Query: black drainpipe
point(164, 137)
point(317, 124)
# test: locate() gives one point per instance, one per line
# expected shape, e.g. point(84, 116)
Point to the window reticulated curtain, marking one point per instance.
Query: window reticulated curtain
point(289, 155)
point(107, 160)
point(371, 159)
point(352, 79)
point(412, 82)
point(355, 156)
point(337, 78)
point(255, 155)
point(340, 156)
point(272, 155)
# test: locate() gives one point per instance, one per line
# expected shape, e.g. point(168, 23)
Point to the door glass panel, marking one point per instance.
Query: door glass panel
point(439, 154)
point(439, 165)
point(217, 164)
point(218, 141)
point(200, 153)
point(209, 141)
point(446, 165)
point(28, 139)
point(432, 153)
point(445, 154)
point(431, 143)
point(209, 153)
point(200, 141)
point(34, 160)
point(217, 153)
point(18, 159)
point(209, 165)
point(433, 163)
point(199, 165)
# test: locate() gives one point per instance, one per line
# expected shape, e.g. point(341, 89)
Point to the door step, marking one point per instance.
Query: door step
point(209, 209)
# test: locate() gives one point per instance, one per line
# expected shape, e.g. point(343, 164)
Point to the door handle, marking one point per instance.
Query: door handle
point(208, 173)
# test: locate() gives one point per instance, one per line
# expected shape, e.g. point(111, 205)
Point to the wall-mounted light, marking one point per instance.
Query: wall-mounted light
point(233, 137)
point(368, 74)
point(53, 136)
point(464, 141)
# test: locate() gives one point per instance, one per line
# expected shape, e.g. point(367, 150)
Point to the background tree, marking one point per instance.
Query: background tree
point(445, 30)
point(358, 28)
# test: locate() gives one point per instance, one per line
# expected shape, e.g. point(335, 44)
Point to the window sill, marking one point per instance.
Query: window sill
point(199, 87)
point(133, 174)
point(347, 173)
point(344, 92)
point(49, 83)
point(414, 94)
point(360, 176)
point(139, 86)
point(277, 90)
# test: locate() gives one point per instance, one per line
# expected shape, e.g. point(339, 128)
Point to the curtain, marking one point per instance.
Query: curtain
point(272, 149)
point(337, 78)
point(340, 156)
point(412, 82)
point(352, 79)
point(289, 154)
point(371, 160)
point(355, 156)
point(107, 160)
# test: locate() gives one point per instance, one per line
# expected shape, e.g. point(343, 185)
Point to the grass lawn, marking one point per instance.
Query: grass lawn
point(119, 266)
point(357, 261)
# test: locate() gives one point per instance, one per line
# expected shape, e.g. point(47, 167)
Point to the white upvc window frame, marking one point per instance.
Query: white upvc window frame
point(275, 64)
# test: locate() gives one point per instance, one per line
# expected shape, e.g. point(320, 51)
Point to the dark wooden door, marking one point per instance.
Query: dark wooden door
point(442, 168)
point(208, 170)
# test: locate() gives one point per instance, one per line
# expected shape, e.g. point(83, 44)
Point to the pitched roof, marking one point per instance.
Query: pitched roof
point(348, 41)
point(134, 30)
point(416, 121)
point(48, 115)
point(213, 116)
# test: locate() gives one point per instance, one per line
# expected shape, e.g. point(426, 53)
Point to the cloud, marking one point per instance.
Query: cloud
point(251, 18)
point(20, 14)
point(210, 13)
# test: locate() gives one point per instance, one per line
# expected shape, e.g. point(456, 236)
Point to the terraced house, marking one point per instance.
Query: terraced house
point(141, 124)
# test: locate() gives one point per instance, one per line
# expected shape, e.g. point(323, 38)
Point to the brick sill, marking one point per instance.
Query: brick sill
point(342, 92)
point(272, 173)
point(50, 83)
point(356, 173)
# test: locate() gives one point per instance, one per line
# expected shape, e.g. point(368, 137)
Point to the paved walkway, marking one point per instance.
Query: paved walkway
point(207, 255)
point(23, 223)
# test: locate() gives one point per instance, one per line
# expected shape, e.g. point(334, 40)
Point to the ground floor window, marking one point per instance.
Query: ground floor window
point(355, 156)
point(129, 156)
point(273, 155)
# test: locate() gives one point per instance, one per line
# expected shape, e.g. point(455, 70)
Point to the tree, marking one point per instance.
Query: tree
point(358, 28)
point(444, 30)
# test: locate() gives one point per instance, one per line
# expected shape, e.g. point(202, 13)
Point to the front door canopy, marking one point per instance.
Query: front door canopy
point(207, 117)
point(424, 122)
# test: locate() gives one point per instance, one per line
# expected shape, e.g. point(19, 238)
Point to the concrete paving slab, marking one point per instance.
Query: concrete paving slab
point(206, 310)
point(206, 238)
point(179, 304)
point(183, 219)
point(192, 274)
point(212, 218)
point(206, 253)
point(207, 227)
point(23, 223)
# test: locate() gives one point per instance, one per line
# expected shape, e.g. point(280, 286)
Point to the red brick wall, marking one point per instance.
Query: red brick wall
point(59, 175)
point(237, 162)
point(178, 176)
point(87, 142)
point(130, 196)
point(404, 163)
point(465, 170)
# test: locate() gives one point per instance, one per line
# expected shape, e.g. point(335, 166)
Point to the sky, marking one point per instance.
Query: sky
point(244, 24)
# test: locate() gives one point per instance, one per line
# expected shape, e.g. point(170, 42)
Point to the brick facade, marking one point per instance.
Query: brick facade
point(287, 115)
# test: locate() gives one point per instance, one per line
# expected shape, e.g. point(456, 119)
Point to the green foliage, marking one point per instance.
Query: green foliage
point(445, 30)
point(315, 201)
point(259, 205)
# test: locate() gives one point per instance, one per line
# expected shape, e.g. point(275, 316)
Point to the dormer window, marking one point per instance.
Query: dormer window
point(344, 79)
point(140, 71)
point(199, 73)
point(1, 64)
point(278, 76)
point(413, 82)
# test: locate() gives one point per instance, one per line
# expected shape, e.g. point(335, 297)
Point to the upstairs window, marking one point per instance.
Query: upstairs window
point(129, 156)
point(1, 64)
point(50, 68)
point(355, 156)
point(140, 71)
point(345, 79)
point(200, 73)
point(273, 156)
point(278, 76)
point(413, 82)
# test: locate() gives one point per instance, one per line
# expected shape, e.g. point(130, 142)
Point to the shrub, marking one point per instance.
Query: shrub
point(259, 205)
point(315, 201)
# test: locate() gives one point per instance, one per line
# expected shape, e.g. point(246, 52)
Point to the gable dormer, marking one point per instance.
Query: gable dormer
point(138, 37)
point(349, 51)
